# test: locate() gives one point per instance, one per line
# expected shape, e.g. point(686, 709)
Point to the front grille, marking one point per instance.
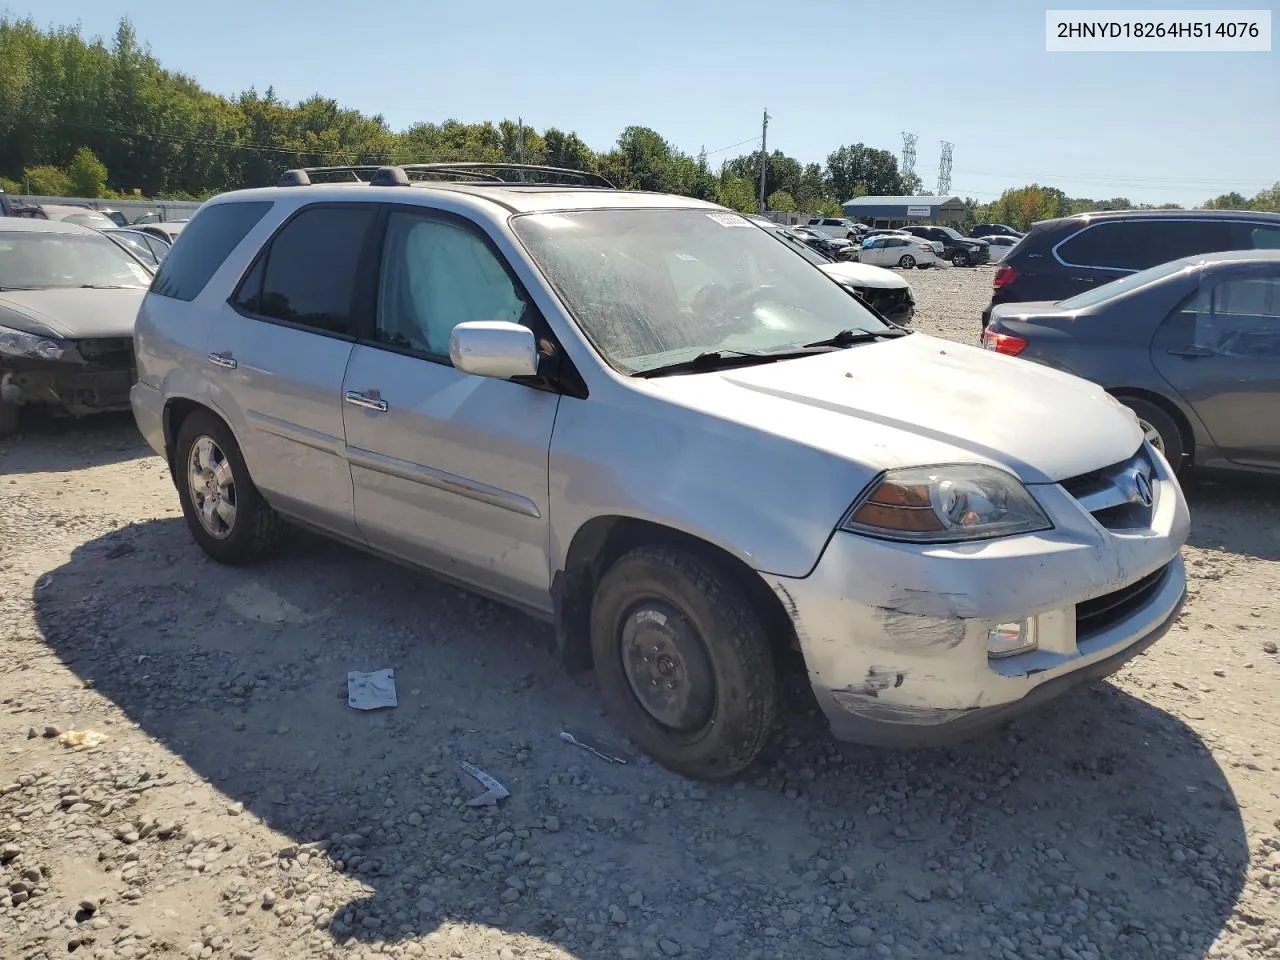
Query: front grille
point(1094, 616)
point(887, 301)
point(1113, 494)
point(114, 353)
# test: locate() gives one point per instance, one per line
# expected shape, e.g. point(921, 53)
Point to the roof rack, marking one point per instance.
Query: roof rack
point(403, 175)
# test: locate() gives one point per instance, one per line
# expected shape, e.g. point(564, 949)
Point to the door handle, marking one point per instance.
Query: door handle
point(370, 400)
point(223, 360)
point(1190, 352)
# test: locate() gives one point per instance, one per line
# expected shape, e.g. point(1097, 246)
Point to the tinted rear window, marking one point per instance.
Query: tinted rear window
point(207, 240)
point(311, 268)
point(1139, 244)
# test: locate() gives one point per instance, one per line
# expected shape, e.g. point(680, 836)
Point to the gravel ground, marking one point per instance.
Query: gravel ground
point(238, 808)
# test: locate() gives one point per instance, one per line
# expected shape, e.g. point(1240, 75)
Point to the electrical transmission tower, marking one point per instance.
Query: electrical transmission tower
point(908, 155)
point(944, 169)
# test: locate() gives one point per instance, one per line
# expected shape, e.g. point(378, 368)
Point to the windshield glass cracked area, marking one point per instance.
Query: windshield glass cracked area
point(653, 287)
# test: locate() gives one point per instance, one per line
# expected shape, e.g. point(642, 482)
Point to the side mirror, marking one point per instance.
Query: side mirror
point(494, 348)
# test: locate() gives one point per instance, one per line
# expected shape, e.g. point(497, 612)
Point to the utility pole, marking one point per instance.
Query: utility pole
point(944, 169)
point(764, 138)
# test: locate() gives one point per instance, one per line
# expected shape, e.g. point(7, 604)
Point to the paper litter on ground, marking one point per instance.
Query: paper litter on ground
point(494, 791)
point(82, 738)
point(371, 691)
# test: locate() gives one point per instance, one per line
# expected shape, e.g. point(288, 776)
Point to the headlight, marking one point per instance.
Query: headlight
point(15, 343)
point(946, 504)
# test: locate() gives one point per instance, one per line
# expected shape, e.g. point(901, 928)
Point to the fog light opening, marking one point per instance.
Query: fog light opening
point(1010, 639)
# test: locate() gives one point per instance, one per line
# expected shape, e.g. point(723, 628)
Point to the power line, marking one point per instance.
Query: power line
point(712, 153)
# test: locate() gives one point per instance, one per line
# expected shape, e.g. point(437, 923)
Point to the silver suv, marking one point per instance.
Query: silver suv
point(640, 417)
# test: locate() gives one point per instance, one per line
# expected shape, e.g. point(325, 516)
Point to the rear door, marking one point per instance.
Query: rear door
point(449, 469)
point(1221, 352)
point(279, 351)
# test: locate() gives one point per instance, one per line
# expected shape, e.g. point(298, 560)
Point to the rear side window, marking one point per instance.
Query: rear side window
point(308, 273)
point(210, 236)
point(1139, 244)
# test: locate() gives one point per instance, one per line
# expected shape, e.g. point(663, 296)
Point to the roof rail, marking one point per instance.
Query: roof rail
point(479, 172)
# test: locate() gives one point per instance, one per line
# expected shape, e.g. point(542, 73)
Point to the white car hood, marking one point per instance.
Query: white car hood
point(72, 314)
point(919, 401)
point(864, 275)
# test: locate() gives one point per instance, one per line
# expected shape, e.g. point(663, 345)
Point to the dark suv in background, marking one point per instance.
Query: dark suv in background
point(993, 230)
point(961, 250)
point(1060, 258)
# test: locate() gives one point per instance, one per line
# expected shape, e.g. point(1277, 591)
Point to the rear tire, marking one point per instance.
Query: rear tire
point(10, 414)
point(224, 511)
point(1161, 430)
point(683, 662)
point(906, 261)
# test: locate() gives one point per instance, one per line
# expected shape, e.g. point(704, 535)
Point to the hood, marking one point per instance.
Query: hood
point(71, 314)
point(864, 275)
point(918, 401)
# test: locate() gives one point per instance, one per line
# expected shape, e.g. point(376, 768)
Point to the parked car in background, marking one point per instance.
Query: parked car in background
point(1060, 258)
point(646, 421)
point(985, 231)
point(166, 230)
point(897, 250)
point(840, 227)
point(959, 250)
point(1000, 245)
point(68, 298)
point(66, 213)
point(883, 290)
point(830, 246)
point(147, 247)
point(1191, 346)
point(116, 217)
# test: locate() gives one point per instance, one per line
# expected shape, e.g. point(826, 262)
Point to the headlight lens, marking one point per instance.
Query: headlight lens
point(946, 504)
point(16, 343)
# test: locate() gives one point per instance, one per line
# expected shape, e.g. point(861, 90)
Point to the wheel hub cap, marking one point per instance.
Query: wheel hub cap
point(212, 487)
point(667, 666)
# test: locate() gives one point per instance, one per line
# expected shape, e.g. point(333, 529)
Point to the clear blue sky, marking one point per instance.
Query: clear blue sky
point(1152, 127)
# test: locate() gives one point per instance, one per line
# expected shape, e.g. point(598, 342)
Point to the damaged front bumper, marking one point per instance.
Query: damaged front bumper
point(896, 637)
point(92, 376)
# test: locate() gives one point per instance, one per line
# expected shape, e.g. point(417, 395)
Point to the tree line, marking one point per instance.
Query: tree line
point(91, 118)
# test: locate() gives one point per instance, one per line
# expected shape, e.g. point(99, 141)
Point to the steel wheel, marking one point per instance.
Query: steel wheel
point(212, 486)
point(667, 666)
point(906, 261)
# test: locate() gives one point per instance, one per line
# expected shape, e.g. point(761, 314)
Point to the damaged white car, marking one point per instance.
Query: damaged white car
point(649, 422)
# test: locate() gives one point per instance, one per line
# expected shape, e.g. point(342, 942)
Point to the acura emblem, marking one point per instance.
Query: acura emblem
point(1142, 488)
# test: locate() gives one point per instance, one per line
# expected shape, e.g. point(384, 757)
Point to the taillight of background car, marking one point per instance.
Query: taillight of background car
point(1005, 275)
point(1005, 343)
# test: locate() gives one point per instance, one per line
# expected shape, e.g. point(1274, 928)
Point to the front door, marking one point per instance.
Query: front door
point(449, 470)
point(279, 351)
point(1221, 352)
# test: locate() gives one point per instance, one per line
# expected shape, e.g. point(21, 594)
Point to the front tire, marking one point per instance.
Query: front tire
point(960, 259)
point(906, 261)
point(683, 662)
point(1160, 429)
point(224, 511)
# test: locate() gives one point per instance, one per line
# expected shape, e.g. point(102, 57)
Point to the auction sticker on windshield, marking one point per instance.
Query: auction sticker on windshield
point(729, 219)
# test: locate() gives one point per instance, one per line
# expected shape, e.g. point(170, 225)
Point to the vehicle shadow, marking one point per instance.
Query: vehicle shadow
point(1238, 515)
point(47, 444)
point(1100, 820)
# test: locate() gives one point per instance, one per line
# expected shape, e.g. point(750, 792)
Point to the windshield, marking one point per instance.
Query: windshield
point(1117, 287)
point(39, 260)
point(950, 232)
point(90, 219)
point(653, 287)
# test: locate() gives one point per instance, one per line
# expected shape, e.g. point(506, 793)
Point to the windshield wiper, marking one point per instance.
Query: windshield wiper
point(847, 338)
point(8, 289)
point(109, 286)
point(712, 360)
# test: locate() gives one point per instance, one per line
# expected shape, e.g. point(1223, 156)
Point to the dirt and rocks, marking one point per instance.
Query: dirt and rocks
point(239, 809)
